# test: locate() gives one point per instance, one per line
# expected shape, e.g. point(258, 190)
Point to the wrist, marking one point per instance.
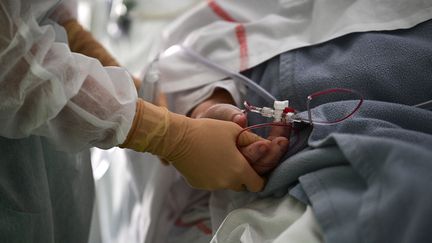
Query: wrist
point(157, 131)
point(149, 121)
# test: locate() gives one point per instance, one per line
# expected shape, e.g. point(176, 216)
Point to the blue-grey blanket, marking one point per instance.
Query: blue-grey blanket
point(368, 178)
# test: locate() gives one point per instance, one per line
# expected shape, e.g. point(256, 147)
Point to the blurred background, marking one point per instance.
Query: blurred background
point(130, 29)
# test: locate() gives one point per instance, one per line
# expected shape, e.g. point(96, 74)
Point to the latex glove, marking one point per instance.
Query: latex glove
point(203, 150)
point(263, 155)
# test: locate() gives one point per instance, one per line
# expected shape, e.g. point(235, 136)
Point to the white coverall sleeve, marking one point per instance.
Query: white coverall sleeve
point(47, 90)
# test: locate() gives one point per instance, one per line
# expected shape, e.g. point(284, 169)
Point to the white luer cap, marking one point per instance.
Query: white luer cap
point(280, 105)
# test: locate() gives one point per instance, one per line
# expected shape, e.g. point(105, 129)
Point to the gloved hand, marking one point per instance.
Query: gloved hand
point(263, 155)
point(204, 151)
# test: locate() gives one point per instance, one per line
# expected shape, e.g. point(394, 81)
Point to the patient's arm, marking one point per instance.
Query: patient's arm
point(262, 155)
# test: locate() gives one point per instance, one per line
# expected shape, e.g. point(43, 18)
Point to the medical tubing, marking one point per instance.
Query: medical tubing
point(425, 105)
point(329, 91)
point(271, 124)
point(236, 76)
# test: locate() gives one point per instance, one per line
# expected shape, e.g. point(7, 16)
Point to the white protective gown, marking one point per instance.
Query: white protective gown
point(241, 34)
point(52, 100)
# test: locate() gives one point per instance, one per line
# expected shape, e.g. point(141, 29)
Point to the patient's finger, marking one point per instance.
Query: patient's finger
point(226, 112)
point(278, 147)
point(278, 131)
point(255, 151)
point(247, 138)
point(264, 155)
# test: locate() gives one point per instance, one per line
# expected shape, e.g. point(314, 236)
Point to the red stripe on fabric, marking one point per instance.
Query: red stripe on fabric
point(219, 11)
point(206, 230)
point(240, 32)
point(179, 222)
point(199, 224)
point(241, 38)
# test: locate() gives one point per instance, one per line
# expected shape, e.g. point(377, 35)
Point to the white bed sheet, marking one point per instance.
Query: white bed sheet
point(267, 220)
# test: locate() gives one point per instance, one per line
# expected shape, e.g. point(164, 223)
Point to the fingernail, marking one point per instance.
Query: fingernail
point(283, 143)
point(237, 117)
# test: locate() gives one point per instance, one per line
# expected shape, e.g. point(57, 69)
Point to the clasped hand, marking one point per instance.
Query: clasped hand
point(263, 155)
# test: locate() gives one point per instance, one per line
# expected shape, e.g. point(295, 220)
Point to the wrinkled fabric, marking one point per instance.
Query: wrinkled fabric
point(45, 195)
point(366, 178)
point(268, 220)
point(48, 91)
point(380, 193)
point(399, 60)
point(53, 103)
point(242, 34)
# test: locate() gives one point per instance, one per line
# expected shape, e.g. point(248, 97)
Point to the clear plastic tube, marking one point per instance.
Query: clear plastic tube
point(266, 95)
point(425, 105)
point(234, 75)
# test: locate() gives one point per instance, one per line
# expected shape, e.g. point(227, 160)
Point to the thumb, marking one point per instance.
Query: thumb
point(245, 138)
point(224, 112)
point(252, 181)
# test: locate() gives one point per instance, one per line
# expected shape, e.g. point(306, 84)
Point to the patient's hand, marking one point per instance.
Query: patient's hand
point(262, 155)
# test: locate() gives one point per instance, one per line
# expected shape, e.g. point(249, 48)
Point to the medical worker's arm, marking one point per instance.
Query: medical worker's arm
point(175, 137)
point(82, 41)
point(183, 141)
point(45, 89)
point(73, 100)
point(263, 155)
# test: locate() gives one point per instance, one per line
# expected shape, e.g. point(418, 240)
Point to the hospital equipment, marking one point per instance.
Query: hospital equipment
point(425, 105)
point(288, 115)
point(285, 116)
point(281, 112)
point(234, 75)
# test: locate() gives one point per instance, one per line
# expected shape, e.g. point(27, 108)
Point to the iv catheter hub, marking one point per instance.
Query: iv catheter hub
point(281, 112)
